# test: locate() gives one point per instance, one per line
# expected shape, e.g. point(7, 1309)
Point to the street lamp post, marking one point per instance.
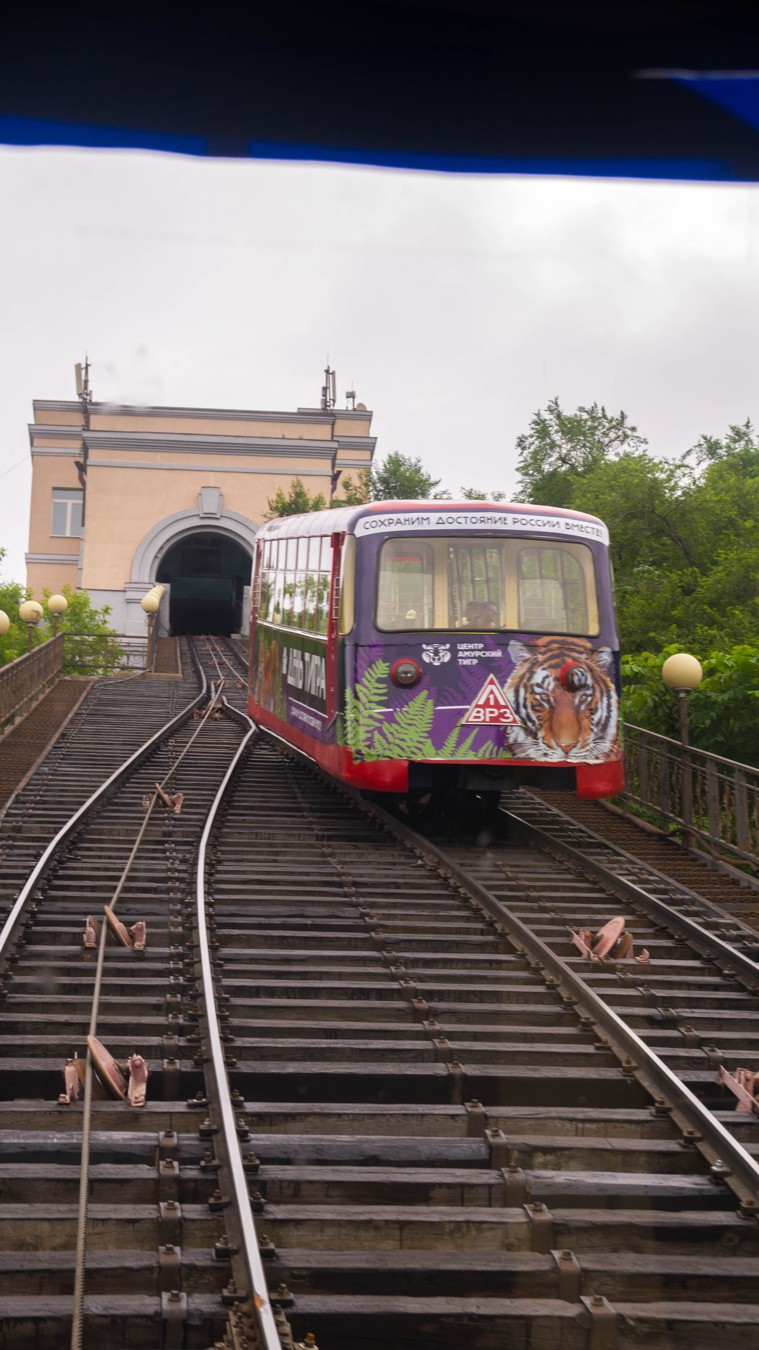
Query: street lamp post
point(151, 604)
point(682, 674)
point(57, 605)
point(30, 613)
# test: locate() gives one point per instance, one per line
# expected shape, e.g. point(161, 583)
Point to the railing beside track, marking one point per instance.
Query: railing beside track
point(724, 794)
point(103, 653)
point(23, 680)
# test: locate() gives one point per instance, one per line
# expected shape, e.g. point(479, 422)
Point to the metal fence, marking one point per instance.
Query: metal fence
point(106, 654)
point(713, 800)
point(23, 680)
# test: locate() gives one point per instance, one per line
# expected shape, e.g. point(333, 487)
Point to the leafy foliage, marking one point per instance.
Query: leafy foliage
point(559, 446)
point(473, 494)
point(723, 711)
point(294, 502)
point(401, 478)
point(81, 618)
point(354, 493)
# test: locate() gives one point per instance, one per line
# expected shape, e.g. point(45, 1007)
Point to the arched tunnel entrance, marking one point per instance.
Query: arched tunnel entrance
point(208, 573)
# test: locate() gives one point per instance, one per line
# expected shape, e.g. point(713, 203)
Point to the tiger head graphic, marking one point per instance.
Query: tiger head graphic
point(559, 724)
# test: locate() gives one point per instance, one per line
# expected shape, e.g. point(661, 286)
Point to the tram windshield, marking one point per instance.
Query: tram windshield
point(482, 584)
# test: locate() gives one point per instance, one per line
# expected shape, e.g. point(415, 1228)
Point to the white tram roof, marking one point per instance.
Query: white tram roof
point(378, 518)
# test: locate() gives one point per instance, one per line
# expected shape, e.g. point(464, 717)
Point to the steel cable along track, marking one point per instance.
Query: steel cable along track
point(152, 1228)
point(447, 1151)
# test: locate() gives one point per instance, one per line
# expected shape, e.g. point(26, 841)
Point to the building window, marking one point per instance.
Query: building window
point(67, 511)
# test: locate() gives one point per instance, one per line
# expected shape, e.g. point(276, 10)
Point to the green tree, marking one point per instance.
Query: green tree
point(559, 447)
point(295, 502)
point(354, 493)
point(81, 619)
point(12, 594)
point(471, 494)
point(723, 711)
point(401, 478)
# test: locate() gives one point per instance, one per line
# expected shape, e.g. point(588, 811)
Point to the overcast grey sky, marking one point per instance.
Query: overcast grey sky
point(455, 305)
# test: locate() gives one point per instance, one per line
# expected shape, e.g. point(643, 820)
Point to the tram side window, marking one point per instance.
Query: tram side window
point(405, 594)
point(553, 595)
point(317, 580)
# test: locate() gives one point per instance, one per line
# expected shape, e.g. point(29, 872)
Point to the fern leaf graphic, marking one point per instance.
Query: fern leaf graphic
point(407, 737)
point(363, 716)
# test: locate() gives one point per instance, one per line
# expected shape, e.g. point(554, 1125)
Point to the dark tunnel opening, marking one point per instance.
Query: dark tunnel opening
point(208, 574)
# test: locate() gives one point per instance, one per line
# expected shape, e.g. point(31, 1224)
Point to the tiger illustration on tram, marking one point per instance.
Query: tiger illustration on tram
point(424, 647)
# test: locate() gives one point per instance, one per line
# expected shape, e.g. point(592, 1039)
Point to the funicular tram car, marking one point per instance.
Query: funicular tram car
point(415, 647)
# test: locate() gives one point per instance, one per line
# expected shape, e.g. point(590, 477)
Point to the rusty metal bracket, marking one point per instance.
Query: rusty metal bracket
point(169, 1268)
point(168, 1179)
point(541, 1224)
point(570, 1274)
point(174, 1315)
point(603, 1323)
point(743, 1085)
point(170, 1223)
point(70, 1084)
point(170, 1079)
point(499, 1148)
point(516, 1188)
point(475, 1119)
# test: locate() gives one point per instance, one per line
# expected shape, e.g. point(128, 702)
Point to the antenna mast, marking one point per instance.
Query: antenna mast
point(329, 397)
point(84, 392)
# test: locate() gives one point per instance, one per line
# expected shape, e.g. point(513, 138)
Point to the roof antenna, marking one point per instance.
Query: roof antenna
point(83, 389)
point(350, 398)
point(329, 397)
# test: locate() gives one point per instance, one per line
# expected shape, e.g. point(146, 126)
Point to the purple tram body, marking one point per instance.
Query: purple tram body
point(410, 646)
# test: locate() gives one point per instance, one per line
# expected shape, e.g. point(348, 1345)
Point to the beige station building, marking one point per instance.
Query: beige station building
point(124, 497)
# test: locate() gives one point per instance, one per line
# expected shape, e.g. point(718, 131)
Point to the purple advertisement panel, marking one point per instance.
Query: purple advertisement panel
point(481, 696)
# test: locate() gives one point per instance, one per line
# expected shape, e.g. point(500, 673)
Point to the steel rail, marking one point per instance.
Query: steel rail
point(738, 1168)
point(708, 944)
point(44, 862)
point(217, 653)
point(216, 1068)
point(77, 1321)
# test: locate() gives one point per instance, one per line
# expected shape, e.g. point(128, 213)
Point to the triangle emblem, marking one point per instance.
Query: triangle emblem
point(491, 708)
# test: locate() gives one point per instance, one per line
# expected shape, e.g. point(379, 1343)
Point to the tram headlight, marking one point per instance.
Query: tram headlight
point(405, 672)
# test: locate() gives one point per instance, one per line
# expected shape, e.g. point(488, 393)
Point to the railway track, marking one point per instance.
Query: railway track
point(442, 1137)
